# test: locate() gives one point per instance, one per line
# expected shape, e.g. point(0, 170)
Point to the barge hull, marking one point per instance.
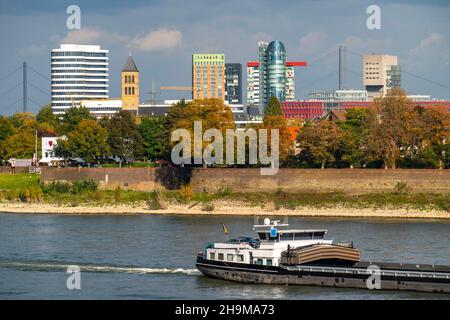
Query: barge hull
point(339, 277)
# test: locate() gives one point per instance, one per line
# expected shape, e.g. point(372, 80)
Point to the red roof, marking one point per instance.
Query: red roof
point(296, 64)
point(253, 64)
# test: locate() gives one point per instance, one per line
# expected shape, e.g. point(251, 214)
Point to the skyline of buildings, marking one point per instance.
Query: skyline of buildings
point(80, 77)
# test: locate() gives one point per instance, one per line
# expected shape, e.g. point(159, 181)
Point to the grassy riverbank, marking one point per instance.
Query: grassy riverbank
point(22, 191)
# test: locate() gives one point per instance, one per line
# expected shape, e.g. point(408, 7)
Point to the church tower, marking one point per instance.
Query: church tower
point(130, 85)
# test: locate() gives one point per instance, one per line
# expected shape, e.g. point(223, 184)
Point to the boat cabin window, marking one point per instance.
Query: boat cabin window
point(259, 262)
point(230, 257)
point(268, 262)
point(212, 256)
point(303, 235)
point(286, 236)
point(319, 235)
point(220, 257)
point(266, 236)
point(240, 257)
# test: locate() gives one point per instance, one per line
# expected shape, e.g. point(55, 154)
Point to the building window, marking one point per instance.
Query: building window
point(132, 79)
point(132, 90)
point(230, 257)
point(212, 256)
point(268, 262)
point(240, 257)
point(220, 256)
point(259, 262)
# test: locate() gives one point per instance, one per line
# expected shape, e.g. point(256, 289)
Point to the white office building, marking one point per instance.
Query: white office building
point(100, 108)
point(338, 95)
point(78, 72)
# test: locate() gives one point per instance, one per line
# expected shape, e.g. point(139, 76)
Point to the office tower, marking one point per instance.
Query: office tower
point(233, 83)
point(78, 72)
point(253, 86)
point(130, 85)
point(380, 73)
point(274, 78)
point(208, 76)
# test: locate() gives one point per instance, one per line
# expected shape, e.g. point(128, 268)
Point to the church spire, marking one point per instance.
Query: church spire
point(130, 66)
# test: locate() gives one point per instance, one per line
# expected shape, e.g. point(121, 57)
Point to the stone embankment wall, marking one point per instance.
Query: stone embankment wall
point(250, 180)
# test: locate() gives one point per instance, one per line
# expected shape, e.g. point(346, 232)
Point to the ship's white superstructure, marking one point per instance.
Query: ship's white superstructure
point(273, 239)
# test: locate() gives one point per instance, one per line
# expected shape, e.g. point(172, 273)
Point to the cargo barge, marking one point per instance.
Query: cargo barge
point(284, 256)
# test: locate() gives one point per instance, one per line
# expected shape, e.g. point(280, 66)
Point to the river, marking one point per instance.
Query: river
point(153, 257)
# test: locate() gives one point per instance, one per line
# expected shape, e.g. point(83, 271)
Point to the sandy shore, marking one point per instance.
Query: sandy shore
point(222, 208)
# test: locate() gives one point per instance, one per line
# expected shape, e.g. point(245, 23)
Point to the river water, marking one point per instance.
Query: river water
point(153, 257)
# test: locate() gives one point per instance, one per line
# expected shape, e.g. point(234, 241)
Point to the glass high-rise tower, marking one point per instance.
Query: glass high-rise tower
point(270, 76)
point(276, 76)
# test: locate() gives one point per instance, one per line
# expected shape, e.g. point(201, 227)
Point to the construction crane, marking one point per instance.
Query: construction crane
point(176, 88)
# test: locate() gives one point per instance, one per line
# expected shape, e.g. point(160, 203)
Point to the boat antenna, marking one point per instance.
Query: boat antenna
point(225, 231)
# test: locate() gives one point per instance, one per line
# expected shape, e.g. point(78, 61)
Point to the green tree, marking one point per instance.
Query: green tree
point(45, 115)
point(155, 140)
point(20, 141)
point(124, 139)
point(351, 149)
point(72, 117)
point(273, 108)
point(319, 142)
point(6, 128)
point(88, 140)
point(62, 149)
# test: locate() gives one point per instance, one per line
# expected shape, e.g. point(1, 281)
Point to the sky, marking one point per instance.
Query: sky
point(163, 35)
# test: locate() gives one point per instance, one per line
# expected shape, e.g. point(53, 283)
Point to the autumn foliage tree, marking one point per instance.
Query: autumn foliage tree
point(275, 119)
point(319, 142)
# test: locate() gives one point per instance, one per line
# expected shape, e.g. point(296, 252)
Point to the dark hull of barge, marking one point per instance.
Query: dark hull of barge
point(393, 276)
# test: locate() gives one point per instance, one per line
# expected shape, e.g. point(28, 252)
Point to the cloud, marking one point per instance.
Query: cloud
point(93, 35)
point(368, 45)
point(159, 39)
point(261, 36)
point(435, 48)
point(312, 42)
point(431, 42)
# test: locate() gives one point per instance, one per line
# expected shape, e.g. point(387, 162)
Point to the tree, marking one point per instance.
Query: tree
point(351, 149)
point(62, 149)
point(155, 140)
point(319, 142)
point(20, 142)
point(274, 119)
point(124, 139)
point(6, 128)
point(88, 140)
point(428, 136)
point(213, 114)
point(45, 115)
point(72, 117)
point(386, 127)
point(273, 108)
